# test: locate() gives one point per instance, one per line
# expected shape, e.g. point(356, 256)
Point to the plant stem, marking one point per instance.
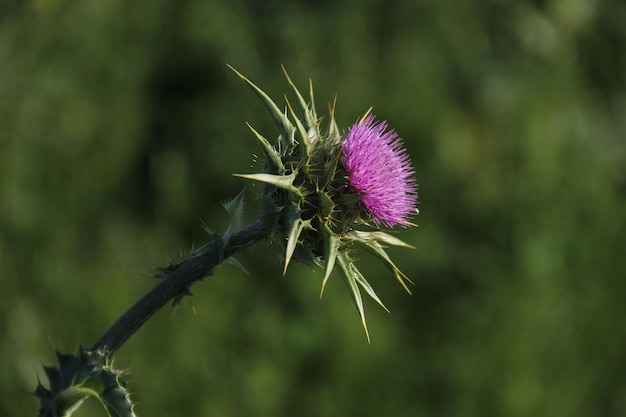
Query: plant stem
point(177, 279)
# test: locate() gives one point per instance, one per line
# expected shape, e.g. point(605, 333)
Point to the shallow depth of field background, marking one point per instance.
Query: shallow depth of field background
point(120, 127)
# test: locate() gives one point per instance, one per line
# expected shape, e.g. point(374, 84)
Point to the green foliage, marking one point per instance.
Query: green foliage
point(79, 376)
point(120, 126)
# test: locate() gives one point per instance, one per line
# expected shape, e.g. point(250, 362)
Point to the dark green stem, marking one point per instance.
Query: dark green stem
point(177, 278)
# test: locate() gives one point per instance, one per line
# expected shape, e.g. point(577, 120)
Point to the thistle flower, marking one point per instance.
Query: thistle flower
point(380, 170)
point(325, 196)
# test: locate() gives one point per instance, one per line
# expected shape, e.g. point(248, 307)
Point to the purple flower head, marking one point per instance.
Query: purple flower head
point(379, 169)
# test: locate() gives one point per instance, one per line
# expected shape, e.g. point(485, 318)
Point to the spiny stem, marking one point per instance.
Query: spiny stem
point(182, 276)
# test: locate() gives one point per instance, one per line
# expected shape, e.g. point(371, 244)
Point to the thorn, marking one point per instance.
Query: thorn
point(240, 75)
point(206, 227)
point(367, 113)
point(367, 333)
point(286, 75)
point(332, 107)
point(285, 268)
point(322, 290)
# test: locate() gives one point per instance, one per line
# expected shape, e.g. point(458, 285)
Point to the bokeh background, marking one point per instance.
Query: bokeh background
point(120, 127)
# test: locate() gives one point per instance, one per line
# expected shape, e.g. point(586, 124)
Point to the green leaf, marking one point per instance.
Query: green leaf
point(312, 101)
point(349, 278)
point(296, 227)
point(326, 204)
point(281, 181)
point(330, 168)
point(331, 248)
point(271, 154)
point(286, 129)
point(333, 133)
point(303, 142)
point(371, 244)
point(360, 279)
point(365, 237)
point(234, 207)
point(309, 116)
point(79, 376)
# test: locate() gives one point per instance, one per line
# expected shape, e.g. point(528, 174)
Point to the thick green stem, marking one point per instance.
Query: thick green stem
point(175, 282)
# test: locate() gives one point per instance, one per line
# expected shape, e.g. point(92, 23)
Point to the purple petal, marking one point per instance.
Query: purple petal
point(379, 169)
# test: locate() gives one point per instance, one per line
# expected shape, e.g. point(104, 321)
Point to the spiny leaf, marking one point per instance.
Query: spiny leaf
point(330, 169)
point(281, 181)
point(379, 252)
point(285, 127)
point(370, 240)
point(374, 236)
point(116, 400)
point(312, 100)
point(366, 286)
point(333, 133)
point(234, 207)
point(82, 375)
point(348, 275)
point(331, 247)
point(309, 118)
point(326, 204)
point(297, 225)
point(271, 154)
point(304, 140)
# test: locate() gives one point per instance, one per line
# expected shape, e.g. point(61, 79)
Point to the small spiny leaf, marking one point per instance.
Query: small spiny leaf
point(234, 208)
point(348, 275)
point(82, 375)
point(303, 142)
point(284, 182)
point(271, 154)
point(312, 103)
point(310, 119)
point(296, 227)
point(285, 127)
point(333, 133)
point(331, 248)
point(379, 236)
point(379, 251)
point(366, 286)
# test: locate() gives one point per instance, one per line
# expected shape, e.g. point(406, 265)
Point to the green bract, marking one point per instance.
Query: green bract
point(307, 199)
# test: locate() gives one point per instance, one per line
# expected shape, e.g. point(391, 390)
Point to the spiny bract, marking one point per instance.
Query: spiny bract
point(320, 199)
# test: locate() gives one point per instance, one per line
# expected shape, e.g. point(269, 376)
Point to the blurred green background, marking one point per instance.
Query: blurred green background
point(120, 127)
